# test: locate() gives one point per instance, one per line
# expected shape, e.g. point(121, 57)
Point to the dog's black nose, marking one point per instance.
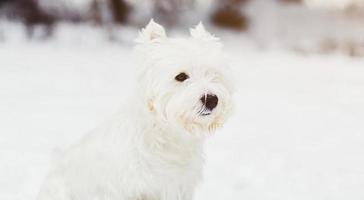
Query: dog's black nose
point(210, 101)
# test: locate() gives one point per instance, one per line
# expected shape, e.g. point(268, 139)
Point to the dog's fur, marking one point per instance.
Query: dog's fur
point(152, 150)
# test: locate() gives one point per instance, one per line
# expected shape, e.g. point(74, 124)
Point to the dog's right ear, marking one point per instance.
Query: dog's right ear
point(152, 32)
point(199, 32)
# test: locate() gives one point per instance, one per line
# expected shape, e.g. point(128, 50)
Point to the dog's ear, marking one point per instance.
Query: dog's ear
point(199, 32)
point(152, 32)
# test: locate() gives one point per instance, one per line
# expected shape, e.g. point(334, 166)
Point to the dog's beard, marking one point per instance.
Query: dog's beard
point(196, 120)
point(200, 123)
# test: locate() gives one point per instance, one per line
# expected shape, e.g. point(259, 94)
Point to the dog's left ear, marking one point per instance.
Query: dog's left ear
point(152, 32)
point(199, 32)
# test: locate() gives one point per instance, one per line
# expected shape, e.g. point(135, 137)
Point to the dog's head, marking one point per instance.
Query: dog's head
point(185, 82)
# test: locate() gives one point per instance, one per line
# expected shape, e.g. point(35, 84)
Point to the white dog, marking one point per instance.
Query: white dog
point(152, 150)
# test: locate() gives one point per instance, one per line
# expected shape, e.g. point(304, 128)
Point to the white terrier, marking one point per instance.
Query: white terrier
point(153, 149)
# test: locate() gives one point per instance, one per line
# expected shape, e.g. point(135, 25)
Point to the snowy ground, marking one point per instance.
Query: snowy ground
point(297, 133)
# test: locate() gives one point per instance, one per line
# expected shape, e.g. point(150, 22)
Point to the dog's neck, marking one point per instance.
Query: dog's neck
point(164, 132)
point(161, 139)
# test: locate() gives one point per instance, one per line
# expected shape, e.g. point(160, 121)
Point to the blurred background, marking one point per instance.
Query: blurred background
point(298, 129)
point(304, 26)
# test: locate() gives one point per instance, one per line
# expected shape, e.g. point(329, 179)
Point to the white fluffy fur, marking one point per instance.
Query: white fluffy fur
point(152, 150)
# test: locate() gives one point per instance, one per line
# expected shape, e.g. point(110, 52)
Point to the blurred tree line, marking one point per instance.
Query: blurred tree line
point(47, 13)
point(40, 17)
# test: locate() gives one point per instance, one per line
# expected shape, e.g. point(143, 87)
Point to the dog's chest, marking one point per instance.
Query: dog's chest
point(167, 166)
point(170, 160)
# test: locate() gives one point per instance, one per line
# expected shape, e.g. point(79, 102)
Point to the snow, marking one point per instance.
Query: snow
point(297, 131)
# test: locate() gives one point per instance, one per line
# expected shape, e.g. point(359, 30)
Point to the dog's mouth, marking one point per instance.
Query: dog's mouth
point(204, 112)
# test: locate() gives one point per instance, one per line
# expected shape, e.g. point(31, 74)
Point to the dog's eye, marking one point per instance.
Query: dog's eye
point(181, 77)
